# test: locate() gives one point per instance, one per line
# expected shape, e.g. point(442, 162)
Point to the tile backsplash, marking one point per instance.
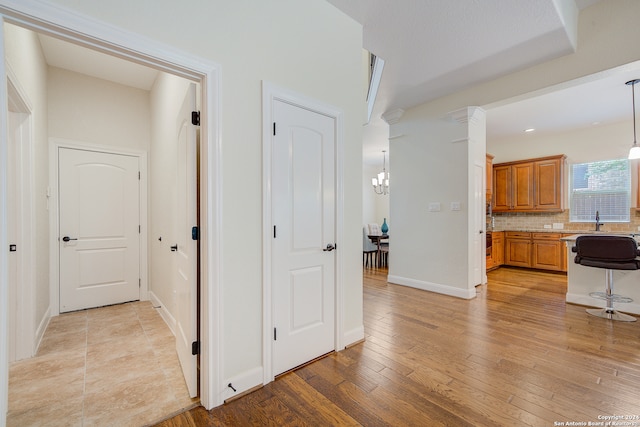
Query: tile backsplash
point(535, 221)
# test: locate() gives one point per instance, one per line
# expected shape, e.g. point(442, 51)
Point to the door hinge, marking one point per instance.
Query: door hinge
point(139, 229)
point(195, 118)
point(274, 231)
point(138, 175)
point(275, 335)
point(139, 283)
point(195, 233)
point(274, 128)
point(195, 348)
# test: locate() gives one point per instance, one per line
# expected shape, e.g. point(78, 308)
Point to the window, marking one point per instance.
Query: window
point(603, 187)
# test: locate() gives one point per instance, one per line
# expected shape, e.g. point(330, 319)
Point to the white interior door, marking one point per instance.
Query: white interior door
point(99, 230)
point(303, 205)
point(12, 235)
point(186, 246)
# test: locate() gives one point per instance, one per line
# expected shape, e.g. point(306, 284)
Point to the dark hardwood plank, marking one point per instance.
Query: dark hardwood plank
point(517, 354)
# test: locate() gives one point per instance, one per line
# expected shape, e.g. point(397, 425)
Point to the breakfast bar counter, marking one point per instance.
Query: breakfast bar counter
point(583, 280)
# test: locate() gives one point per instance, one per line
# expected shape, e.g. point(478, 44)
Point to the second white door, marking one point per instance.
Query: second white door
point(303, 255)
point(186, 245)
point(99, 241)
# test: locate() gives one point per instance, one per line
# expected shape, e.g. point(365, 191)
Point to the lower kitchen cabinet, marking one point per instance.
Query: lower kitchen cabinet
point(497, 248)
point(546, 251)
point(534, 250)
point(496, 257)
point(517, 249)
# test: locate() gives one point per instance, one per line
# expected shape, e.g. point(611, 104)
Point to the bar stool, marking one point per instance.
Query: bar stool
point(610, 253)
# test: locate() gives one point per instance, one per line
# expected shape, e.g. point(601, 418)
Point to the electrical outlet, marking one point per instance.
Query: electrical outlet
point(455, 206)
point(434, 207)
point(547, 226)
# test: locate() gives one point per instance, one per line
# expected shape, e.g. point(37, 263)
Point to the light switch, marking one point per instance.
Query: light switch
point(455, 206)
point(434, 207)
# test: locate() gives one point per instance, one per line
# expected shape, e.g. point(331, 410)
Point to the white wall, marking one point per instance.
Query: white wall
point(24, 55)
point(91, 110)
point(308, 47)
point(430, 166)
point(167, 94)
point(608, 34)
point(584, 145)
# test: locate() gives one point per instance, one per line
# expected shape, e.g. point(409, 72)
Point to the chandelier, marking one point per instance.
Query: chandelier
point(381, 182)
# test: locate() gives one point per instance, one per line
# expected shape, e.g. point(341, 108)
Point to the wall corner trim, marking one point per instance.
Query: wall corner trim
point(353, 336)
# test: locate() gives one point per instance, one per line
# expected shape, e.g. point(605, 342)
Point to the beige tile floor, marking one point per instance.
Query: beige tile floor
point(109, 366)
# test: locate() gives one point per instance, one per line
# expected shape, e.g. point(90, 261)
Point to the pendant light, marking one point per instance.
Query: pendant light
point(634, 153)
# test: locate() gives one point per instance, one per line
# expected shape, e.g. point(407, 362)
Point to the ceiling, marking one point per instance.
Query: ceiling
point(72, 57)
point(433, 48)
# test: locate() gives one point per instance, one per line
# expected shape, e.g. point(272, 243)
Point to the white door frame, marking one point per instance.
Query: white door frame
point(270, 94)
point(55, 144)
point(71, 26)
point(26, 339)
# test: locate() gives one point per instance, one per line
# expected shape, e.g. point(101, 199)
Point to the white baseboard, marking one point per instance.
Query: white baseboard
point(588, 301)
point(353, 336)
point(164, 313)
point(40, 330)
point(433, 287)
point(242, 383)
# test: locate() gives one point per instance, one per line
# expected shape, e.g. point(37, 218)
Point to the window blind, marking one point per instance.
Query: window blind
point(603, 187)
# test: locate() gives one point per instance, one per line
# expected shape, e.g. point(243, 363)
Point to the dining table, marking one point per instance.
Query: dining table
point(376, 240)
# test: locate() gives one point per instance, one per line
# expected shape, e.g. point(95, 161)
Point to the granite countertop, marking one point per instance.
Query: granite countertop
point(573, 237)
point(546, 230)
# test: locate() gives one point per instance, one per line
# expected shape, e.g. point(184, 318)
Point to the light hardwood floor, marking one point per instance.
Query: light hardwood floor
point(109, 366)
point(516, 355)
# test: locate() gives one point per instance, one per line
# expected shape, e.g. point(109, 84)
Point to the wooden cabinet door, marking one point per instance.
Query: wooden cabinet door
point(548, 179)
point(547, 252)
point(522, 182)
point(501, 188)
point(489, 171)
point(497, 248)
point(518, 252)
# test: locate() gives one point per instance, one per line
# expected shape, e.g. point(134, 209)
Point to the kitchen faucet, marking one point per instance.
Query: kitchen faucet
point(598, 221)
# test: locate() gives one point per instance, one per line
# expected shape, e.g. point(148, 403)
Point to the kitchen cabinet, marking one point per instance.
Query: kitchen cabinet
point(517, 250)
point(501, 193)
point(497, 248)
point(542, 251)
point(534, 185)
point(496, 257)
point(548, 176)
point(489, 171)
point(546, 251)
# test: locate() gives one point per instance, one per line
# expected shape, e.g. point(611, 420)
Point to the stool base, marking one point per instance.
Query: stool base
point(607, 313)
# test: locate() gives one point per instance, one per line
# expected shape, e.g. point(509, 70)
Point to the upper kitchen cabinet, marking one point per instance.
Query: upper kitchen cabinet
point(534, 185)
point(489, 170)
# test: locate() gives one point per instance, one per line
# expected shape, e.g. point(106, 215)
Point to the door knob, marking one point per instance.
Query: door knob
point(174, 248)
point(67, 239)
point(329, 248)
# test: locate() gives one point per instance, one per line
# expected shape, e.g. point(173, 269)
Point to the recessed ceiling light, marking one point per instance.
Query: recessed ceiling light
point(529, 130)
